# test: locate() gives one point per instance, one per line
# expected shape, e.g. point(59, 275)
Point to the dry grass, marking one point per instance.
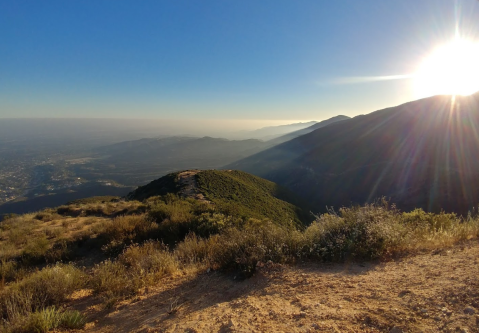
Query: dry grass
point(198, 238)
point(136, 267)
point(49, 287)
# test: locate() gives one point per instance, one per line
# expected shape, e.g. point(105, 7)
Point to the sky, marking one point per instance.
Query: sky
point(275, 60)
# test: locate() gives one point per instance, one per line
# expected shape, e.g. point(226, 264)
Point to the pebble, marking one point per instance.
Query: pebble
point(469, 310)
point(396, 329)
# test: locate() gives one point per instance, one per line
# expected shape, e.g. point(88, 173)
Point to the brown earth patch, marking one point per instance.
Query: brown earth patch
point(433, 292)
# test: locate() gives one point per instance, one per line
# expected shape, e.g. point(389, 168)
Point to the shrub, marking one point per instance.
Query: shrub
point(36, 249)
point(129, 228)
point(8, 270)
point(125, 230)
point(42, 321)
point(359, 232)
point(44, 288)
point(194, 250)
point(72, 319)
point(150, 258)
point(48, 319)
point(47, 215)
point(257, 241)
point(113, 279)
point(136, 267)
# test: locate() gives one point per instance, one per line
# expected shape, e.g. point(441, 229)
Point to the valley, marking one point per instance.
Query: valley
point(239, 166)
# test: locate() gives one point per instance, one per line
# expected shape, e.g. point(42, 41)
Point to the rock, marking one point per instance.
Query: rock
point(396, 329)
point(301, 314)
point(227, 327)
point(469, 310)
point(315, 326)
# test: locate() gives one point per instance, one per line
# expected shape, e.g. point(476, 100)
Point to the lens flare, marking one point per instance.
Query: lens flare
point(452, 69)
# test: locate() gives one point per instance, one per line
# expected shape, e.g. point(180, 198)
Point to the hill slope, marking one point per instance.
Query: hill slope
point(307, 130)
point(270, 132)
point(421, 154)
point(233, 192)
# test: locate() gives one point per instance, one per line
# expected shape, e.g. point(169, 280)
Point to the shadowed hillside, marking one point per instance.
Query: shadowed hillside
point(306, 130)
point(421, 154)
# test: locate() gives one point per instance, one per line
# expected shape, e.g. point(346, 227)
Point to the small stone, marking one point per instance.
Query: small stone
point(396, 329)
point(315, 326)
point(469, 310)
point(424, 310)
point(227, 327)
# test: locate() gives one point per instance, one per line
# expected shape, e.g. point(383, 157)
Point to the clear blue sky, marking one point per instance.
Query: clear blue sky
point(242, 59)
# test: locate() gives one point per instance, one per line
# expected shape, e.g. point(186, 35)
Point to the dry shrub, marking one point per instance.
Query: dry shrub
point(129, 228)
point(194, 249)
point(151, 258)
point(136, 267)
point(113, 279)
point(428, 230)
point(366, 232)
point(36, 249)
point(257, 241)
point(48, 287)
point(8, 270)
point(48, 319)
point(47, 215)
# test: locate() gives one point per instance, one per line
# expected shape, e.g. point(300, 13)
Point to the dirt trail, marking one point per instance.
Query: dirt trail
point(434, 292)
point(189, 186)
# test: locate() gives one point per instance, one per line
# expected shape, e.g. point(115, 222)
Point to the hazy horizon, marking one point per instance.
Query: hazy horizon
point(246, 60)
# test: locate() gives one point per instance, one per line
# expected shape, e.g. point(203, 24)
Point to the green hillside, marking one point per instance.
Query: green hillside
point(234, 193)
point(240, 193)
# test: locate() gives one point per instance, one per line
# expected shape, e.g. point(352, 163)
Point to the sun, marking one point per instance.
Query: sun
point(452, 69)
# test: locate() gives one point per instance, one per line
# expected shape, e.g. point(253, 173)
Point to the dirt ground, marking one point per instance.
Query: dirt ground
point(433, 292)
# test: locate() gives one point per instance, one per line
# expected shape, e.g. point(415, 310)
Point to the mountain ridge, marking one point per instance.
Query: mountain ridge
point(395, 152)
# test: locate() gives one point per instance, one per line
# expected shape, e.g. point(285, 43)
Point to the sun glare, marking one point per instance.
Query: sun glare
point(452, 69)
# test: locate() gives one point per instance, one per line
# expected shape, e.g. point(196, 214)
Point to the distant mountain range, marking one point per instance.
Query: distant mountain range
point(139, 161)
point(271, 132)
point(419, 154)
point(303, 131)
